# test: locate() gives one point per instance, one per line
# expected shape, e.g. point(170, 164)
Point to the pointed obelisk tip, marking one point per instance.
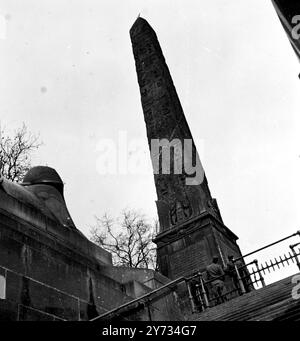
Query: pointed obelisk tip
point(139, 25)
point(139, 20)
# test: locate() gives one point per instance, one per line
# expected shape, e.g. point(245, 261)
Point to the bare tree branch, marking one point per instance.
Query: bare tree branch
point(15, 152)
point(128, 238)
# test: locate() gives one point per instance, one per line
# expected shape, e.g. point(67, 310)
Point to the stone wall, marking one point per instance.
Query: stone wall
point(52, 272)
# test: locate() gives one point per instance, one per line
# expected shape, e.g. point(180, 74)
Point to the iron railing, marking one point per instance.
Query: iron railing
point(247, 276)
point(201, 298)
point(138, 302)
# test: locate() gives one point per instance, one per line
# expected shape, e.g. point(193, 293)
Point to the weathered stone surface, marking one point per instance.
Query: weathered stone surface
point(164, 119)
point(271, 303)
point(191, 226)
point(52, 271)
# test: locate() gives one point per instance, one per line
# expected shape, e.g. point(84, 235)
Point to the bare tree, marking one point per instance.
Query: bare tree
point(15, 152)
point(129, 241)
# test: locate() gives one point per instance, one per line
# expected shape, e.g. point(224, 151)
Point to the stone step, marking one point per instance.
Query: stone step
point(276, 310)
point(271, 302)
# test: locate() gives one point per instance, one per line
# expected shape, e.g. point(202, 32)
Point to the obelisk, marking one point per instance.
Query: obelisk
point(191, 228)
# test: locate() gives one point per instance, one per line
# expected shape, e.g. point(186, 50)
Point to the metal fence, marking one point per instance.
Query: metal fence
point(202, 293)
point(246, 277)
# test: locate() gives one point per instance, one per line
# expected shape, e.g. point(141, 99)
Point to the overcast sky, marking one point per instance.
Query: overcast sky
point(67, 71)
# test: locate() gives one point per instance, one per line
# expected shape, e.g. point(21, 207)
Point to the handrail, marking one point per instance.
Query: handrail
point(213, 279)
point(175, 281)
point(265, 247)
point(183, 278)
point(225, 273)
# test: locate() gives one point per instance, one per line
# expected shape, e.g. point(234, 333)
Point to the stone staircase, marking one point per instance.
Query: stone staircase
point(271, 303)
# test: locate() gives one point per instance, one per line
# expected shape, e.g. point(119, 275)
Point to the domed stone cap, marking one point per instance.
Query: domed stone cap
point(43, 175)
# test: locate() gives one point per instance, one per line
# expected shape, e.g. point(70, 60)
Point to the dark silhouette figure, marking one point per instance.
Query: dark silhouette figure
point(215, 275)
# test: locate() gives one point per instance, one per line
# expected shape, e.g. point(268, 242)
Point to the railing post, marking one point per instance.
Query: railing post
point(191, 296)
point(240, 280)
point(148, 309)
point(261, 278)
point(198, 291)
point(203, 290)
point(295, 254)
